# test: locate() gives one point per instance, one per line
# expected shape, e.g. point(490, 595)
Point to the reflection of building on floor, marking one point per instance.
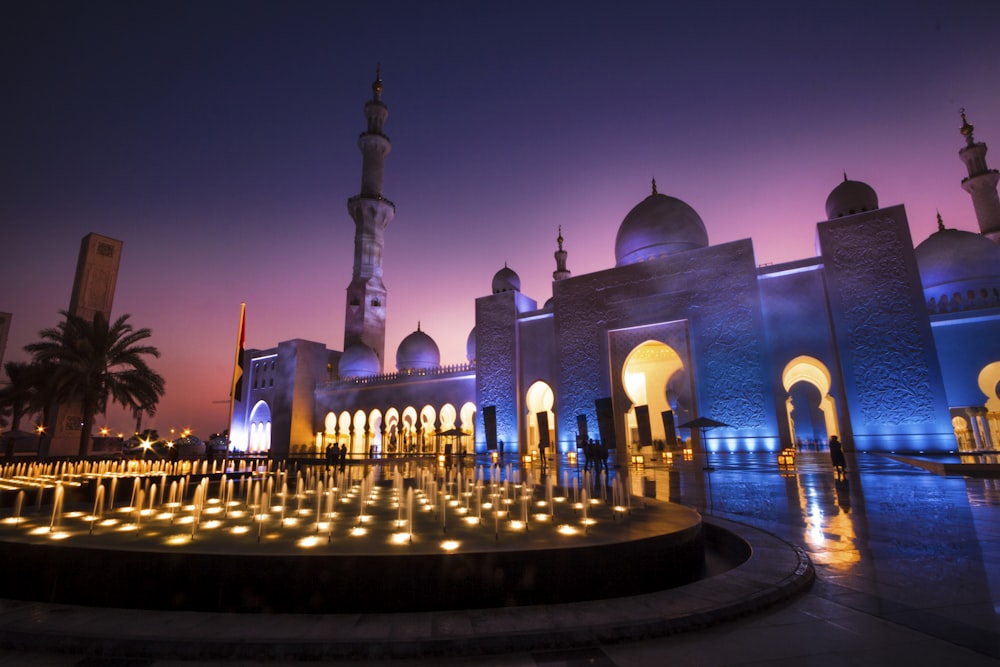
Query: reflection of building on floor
point(887, 346)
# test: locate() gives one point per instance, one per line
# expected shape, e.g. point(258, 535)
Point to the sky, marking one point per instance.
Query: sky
point(218, 141)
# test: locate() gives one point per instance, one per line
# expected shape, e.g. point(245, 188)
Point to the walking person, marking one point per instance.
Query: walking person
point(837, 456)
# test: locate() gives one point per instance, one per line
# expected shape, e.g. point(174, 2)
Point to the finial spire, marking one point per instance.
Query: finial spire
point(418, 325)
point(560, 255)
point(845, 176)
point(654, 186)
point(377, 83)
point(966, 128)
point(940, 222)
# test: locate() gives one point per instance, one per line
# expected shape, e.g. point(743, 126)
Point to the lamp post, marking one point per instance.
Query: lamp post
point(40, 429)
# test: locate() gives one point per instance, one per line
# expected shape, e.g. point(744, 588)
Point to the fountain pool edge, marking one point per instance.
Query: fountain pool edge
point(774, 571)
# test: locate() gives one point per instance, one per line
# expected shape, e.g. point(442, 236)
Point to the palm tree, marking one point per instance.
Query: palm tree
point(19, 398)
point(93, 361)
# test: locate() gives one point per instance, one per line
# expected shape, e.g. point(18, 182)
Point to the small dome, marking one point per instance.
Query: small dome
point(418, 351)
point(359, 360)
point(954, 261)
point(850, 197)
point(470, 346)
point(658, 226)
point(506, 280)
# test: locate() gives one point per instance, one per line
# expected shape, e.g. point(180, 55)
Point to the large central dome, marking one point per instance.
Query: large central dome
point(658, 226)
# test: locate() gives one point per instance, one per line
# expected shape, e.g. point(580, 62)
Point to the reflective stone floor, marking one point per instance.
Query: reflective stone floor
point(908, 570)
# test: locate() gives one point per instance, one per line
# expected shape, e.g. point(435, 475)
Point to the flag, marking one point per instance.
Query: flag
point(237, 386)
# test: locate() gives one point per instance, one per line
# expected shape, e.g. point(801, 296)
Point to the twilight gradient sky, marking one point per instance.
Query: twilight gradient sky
point(217, 139)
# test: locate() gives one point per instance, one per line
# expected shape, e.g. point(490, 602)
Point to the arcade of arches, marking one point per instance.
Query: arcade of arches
point(428, 430)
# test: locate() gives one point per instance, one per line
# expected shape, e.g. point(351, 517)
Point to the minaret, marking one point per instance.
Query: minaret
point(981, 184)
point(365, 318)
point(561, 271)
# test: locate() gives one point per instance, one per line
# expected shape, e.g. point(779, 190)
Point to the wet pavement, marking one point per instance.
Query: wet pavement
point(907, 570)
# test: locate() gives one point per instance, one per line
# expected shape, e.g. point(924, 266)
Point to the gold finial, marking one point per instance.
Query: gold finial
point(845, 176)
point(418, 325)
point(654, 186)
point(559, 239)
point(377, 84)
point(966, 128)
point(940, 222)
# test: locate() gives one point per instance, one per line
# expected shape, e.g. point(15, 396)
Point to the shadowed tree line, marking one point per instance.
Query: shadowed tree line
point(86, 363)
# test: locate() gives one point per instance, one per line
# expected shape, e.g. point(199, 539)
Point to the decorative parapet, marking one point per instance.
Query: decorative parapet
point(404, 375)
point(986, 298)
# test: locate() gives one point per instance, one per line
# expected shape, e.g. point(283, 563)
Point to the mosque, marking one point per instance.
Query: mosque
point(887, 346)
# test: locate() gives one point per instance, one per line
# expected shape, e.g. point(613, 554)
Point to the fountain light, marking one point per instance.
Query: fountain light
point(309, 541)
point(565, 529)
point(471, 520)
point(516, 525)
point(400, 538)
point(542, 517)
point(209, 525)
point(450, 545)
point(239, 530)
point(358, 531)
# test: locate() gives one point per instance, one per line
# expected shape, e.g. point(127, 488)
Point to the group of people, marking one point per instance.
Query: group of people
point(336, 456)
point(595, 455)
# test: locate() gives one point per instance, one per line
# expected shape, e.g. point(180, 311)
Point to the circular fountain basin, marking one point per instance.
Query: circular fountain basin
point(358, 563)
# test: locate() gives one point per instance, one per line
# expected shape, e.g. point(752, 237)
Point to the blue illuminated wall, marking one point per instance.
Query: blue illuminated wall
point(797, 322)
point(497, 362)
point(714, 291)
point(966, 344)
point(894, 391)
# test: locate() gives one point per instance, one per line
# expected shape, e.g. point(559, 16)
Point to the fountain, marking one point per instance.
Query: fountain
point(395, 536)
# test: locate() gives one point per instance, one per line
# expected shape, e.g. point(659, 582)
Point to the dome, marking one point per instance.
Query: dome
point(850, 197)
point(658, 226)
point(359, 360)
point(506, 280)
point(418, 351)
point(470, 346)
point(955, 261)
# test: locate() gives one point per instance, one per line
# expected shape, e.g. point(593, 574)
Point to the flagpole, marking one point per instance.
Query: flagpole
point(236, 388)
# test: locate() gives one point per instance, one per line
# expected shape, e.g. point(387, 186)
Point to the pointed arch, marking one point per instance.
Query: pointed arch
point(260, 428)
point(812, 372)
point(648, 378)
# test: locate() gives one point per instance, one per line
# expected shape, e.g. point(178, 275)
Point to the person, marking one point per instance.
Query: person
point(343, 457)
point(837, 455)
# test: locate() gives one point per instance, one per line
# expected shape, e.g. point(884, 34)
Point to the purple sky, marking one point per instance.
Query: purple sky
point(218, 141)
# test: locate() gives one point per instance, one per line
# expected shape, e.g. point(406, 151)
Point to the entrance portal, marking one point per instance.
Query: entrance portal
point(811, 410)
point(646, 376)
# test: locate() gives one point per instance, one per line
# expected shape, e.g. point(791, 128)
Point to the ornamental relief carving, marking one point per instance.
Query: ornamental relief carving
point(885, 339)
